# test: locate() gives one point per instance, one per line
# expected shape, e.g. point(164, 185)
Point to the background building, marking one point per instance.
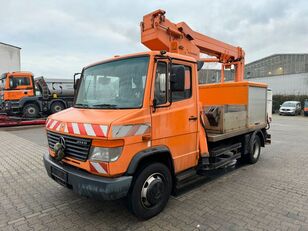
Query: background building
point(286, 74)
point(9, 58)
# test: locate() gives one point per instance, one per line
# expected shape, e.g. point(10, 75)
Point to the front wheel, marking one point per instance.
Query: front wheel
point(30, 110)
point(150, 191)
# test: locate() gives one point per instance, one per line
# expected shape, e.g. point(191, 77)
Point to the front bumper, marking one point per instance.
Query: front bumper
point(286, 112)
point(86, 184)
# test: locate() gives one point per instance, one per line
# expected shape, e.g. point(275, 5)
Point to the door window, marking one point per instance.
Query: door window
point(161, 85)
point(160, 93)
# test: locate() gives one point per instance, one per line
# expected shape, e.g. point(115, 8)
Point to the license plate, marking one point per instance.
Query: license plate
point(59, 175)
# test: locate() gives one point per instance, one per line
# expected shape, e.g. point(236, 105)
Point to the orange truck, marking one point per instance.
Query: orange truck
point(22, 94)
point(141, 125)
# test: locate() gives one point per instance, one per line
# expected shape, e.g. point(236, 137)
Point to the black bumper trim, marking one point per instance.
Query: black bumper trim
point(89, 185)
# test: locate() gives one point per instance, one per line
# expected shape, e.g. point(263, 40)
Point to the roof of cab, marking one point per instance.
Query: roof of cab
point(20, 73)
point(150, 53)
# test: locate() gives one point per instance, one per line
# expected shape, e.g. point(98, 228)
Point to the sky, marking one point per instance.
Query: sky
point(58, 38)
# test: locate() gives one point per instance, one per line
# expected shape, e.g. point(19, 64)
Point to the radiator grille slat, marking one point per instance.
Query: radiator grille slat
point(77, 148)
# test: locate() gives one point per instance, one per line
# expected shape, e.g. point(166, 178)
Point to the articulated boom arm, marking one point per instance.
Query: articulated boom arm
point(158, 33)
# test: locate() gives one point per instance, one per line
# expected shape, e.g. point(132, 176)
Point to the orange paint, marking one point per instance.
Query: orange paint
point(21, 90)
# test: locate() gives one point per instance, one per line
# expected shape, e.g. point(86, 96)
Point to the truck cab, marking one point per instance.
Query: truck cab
point(136, 129)
point(15, 85)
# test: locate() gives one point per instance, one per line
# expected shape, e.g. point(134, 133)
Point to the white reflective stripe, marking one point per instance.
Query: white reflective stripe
point(89, 129)
point(65, 128)
point(48, 122)
point(58, 128)
point(104, 129)
point(141, 129)
point(98, 167)
point(115, 130)
point(53, 124)
point(123, 131)
point(75, 128)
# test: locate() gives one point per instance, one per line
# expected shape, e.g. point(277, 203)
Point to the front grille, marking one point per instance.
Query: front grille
point(77, 148)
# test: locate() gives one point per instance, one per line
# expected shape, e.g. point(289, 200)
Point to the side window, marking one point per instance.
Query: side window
point(181, 95)
point(160, 93)
point(21, 81)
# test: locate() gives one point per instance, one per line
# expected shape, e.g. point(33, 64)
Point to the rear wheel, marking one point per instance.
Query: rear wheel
point(255, 150)
point(30, 110)
point(56, 107)
point(150, 191)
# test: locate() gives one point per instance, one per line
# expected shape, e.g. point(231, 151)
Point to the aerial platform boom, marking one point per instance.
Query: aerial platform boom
point(158, 33)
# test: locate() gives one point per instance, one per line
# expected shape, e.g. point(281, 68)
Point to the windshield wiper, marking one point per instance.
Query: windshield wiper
point(81, 105)
point(105, 105)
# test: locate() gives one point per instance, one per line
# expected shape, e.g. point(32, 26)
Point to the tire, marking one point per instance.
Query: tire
point(255, 150)
point(30, 110)
point(56, 107)
point(150, 191)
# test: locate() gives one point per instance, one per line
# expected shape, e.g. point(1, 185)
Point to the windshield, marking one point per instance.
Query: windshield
point(288, 104)
point(116, 84)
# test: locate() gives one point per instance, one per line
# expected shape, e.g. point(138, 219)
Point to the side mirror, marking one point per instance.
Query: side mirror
point(76, 81)
point(177, 78)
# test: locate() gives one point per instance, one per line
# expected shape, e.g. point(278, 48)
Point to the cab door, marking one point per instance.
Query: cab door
point(175, 126)
point(19, 87)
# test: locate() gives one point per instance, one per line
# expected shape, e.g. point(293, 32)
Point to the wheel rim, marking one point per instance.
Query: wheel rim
point(153, 190)
point(31, 110)
point(256, 150)
point(58, 108)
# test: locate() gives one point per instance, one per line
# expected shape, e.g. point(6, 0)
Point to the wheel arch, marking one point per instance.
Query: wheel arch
point(154, 154)
point(30, 100)
point(260, 134)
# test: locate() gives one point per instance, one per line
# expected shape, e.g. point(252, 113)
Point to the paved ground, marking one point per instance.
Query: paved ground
point(270, 195)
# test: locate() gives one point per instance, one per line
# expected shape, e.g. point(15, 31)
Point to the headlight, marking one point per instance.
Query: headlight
point(105, 154)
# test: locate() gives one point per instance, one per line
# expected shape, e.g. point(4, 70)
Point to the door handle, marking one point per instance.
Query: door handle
point(193, 118)
point(25, 92)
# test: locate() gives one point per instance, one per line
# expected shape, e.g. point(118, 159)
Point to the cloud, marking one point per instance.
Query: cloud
point(59, 37)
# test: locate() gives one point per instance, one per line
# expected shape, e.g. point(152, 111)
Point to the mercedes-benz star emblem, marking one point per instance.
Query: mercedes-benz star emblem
point(62, 141)
point(59, 148)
